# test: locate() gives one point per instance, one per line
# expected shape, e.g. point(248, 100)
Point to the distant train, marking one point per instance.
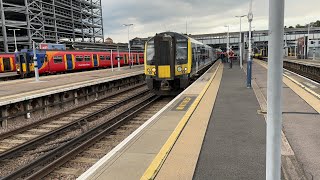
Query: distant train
point(57, 61)
point(172, 60)
point(7, 63)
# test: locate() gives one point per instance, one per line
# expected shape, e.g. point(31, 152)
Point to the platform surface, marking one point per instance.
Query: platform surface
point(235, 141)
point(131, 160)
point(304, 61)
point(21, 88)
point(300, 119)
point(225, 137)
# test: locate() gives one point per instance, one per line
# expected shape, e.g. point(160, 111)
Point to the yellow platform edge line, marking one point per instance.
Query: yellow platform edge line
point(157, 162)
point(309, 96)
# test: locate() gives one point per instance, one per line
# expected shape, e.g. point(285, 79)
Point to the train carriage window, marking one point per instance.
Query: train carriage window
point(87, 58)
point(79, 58)
point(102, 58)
point(108, 58)
point(57, 59)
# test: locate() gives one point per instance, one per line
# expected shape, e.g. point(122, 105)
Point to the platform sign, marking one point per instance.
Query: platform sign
point(51, 46)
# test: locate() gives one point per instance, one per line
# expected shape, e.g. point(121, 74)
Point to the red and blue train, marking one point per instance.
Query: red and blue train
point(60, 61)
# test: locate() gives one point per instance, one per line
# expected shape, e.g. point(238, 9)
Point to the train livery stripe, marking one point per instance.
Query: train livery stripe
point(157, 162)
point(189, 56)
point(1, 65)
point(145, 58)
point(65, 62)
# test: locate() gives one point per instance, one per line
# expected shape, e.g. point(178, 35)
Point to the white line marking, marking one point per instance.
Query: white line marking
point(310, 85)
point(314, 82)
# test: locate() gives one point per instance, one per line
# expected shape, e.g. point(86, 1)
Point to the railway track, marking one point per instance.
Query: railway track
point(75, 149)
point(75, 121)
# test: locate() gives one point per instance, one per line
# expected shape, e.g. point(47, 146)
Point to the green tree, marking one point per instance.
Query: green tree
point(316, 24)
point(299, 26)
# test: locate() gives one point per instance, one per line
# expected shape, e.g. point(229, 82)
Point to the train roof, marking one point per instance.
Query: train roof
point(182, 35)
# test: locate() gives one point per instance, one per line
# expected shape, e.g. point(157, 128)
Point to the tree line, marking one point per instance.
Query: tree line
point(313, 24)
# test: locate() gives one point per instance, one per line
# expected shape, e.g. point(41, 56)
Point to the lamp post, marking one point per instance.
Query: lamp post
point(128, 25)
point(274, 91)
point(228, 41)
point(240, 41)
point(249, 63)
point(15, 38)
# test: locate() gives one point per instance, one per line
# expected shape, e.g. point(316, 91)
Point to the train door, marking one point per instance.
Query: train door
point(165, 56)
point(95, 60)
point(138, 58)
point(126, 59)
point(6, 64)
point(69, 62)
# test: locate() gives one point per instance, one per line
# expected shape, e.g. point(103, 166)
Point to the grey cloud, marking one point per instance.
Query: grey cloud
point(204, 16)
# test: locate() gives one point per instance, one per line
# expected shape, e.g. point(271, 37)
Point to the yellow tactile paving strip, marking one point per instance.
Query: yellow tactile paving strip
point(177, 166)
point(311, 97)
point(155, 166)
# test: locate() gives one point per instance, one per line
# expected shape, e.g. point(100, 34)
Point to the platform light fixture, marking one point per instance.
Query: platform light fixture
point(128, 26)
point(15, 38)
point(240, 40)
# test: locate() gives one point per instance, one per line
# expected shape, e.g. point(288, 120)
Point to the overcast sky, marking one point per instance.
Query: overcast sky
point(203, 16)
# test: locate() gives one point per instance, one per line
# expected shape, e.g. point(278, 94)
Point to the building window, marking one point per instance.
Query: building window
point(79, 58)
point(57, 59)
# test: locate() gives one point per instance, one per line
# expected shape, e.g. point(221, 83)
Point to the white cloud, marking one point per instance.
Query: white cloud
point(204, 16)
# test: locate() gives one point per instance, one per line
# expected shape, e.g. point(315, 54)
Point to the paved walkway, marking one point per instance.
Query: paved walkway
point(234, 145)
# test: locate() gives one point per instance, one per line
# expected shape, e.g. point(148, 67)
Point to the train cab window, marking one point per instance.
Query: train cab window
point(102, 58)
point(79, 58)
point(108, 58)
point(57, 59)
point(150, 53)
point(87, 58)
point(181, 51)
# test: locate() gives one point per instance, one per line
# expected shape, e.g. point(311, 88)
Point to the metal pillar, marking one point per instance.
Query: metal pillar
point(240, 41)
point(55, 21)
point(275, 70)
point(111, 57)
point(4, 29)
point(35, 62)
point(118, 58)
point(249, 63)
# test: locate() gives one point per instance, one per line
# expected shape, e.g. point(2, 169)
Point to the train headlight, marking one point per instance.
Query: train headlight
point(179, 69)
point(153, 69)
point(185, 69)
point(149, 70)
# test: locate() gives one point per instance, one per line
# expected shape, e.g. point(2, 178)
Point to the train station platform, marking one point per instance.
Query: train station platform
point(210, 131)
point(24, 89)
